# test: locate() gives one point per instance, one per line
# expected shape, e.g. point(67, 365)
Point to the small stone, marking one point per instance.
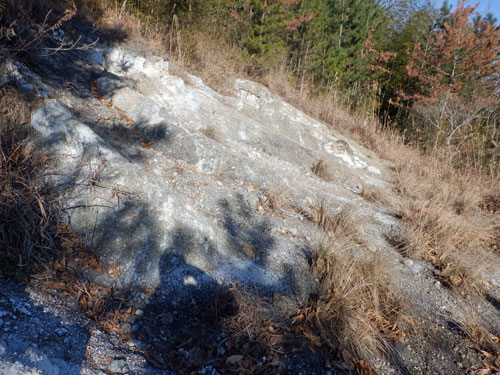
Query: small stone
point(139, 312)
point(133, 344)
point(118, 366)
point(437, 284)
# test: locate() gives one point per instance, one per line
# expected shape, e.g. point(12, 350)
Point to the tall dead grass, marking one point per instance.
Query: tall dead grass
point(451, 214)
point(26, 237)
point(355, 310)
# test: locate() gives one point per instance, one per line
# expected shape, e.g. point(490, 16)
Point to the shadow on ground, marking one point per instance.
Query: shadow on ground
point(32, 338)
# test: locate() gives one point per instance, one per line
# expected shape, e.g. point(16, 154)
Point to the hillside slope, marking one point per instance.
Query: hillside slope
point(185, 193)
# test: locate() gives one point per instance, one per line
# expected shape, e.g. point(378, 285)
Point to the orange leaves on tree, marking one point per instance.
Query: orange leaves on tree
point(461, 58)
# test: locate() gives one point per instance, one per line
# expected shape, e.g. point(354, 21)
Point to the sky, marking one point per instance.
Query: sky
point(485, 6)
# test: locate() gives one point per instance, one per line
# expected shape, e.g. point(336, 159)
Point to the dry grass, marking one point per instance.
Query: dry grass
point(484, 336)
point(26, 217)
point(211, 132)
point(452, 216)
point(355, 310)
point(322, 170)
point(252, 311)
point(341, 224)
point(276, 199)
point(446, 226)
point(154, 36)
point(375, 194)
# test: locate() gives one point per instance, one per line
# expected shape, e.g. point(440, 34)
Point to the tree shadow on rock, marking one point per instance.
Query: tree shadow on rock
point(132, 142)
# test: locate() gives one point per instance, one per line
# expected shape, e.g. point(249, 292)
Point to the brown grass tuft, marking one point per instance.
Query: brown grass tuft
point(341, 224)
point(375, 194)
point(322, 170)
point(445, 225)
point(491, 202)
point(154, 36)
point(252, 311)
point(355, 310)
point(211, 132)
point(276, 199)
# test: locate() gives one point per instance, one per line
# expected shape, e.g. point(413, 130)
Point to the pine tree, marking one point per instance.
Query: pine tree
point(345, 37)
point(461, 58)
point(263, 29)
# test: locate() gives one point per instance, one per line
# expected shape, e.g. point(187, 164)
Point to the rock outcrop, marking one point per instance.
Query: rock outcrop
point(156, 167)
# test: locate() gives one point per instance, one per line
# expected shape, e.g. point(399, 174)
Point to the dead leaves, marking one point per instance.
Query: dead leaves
point(491, 361)
point(109, 308)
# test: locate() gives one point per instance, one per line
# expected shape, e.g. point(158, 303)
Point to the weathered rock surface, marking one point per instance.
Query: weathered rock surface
point(183, 173)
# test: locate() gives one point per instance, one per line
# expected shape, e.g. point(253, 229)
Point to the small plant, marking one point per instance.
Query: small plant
point(341, 224)
point(26, 219)
point(211, 132)
point(374, 194)
point(322, 170)
point(276, 199)
point(252, 311)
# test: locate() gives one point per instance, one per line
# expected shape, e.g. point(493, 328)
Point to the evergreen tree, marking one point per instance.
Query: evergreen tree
point(347, 47)
point(417, 28)
point(263, 28)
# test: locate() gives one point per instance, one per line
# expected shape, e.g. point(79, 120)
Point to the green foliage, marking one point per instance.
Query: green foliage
point(265, 27)
point(261, 26)
point(344, 39)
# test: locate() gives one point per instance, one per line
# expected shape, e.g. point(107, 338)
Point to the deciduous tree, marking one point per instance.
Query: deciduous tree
point(457, 74)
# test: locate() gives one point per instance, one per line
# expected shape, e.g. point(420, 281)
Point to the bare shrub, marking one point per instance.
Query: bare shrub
point(20, 18)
